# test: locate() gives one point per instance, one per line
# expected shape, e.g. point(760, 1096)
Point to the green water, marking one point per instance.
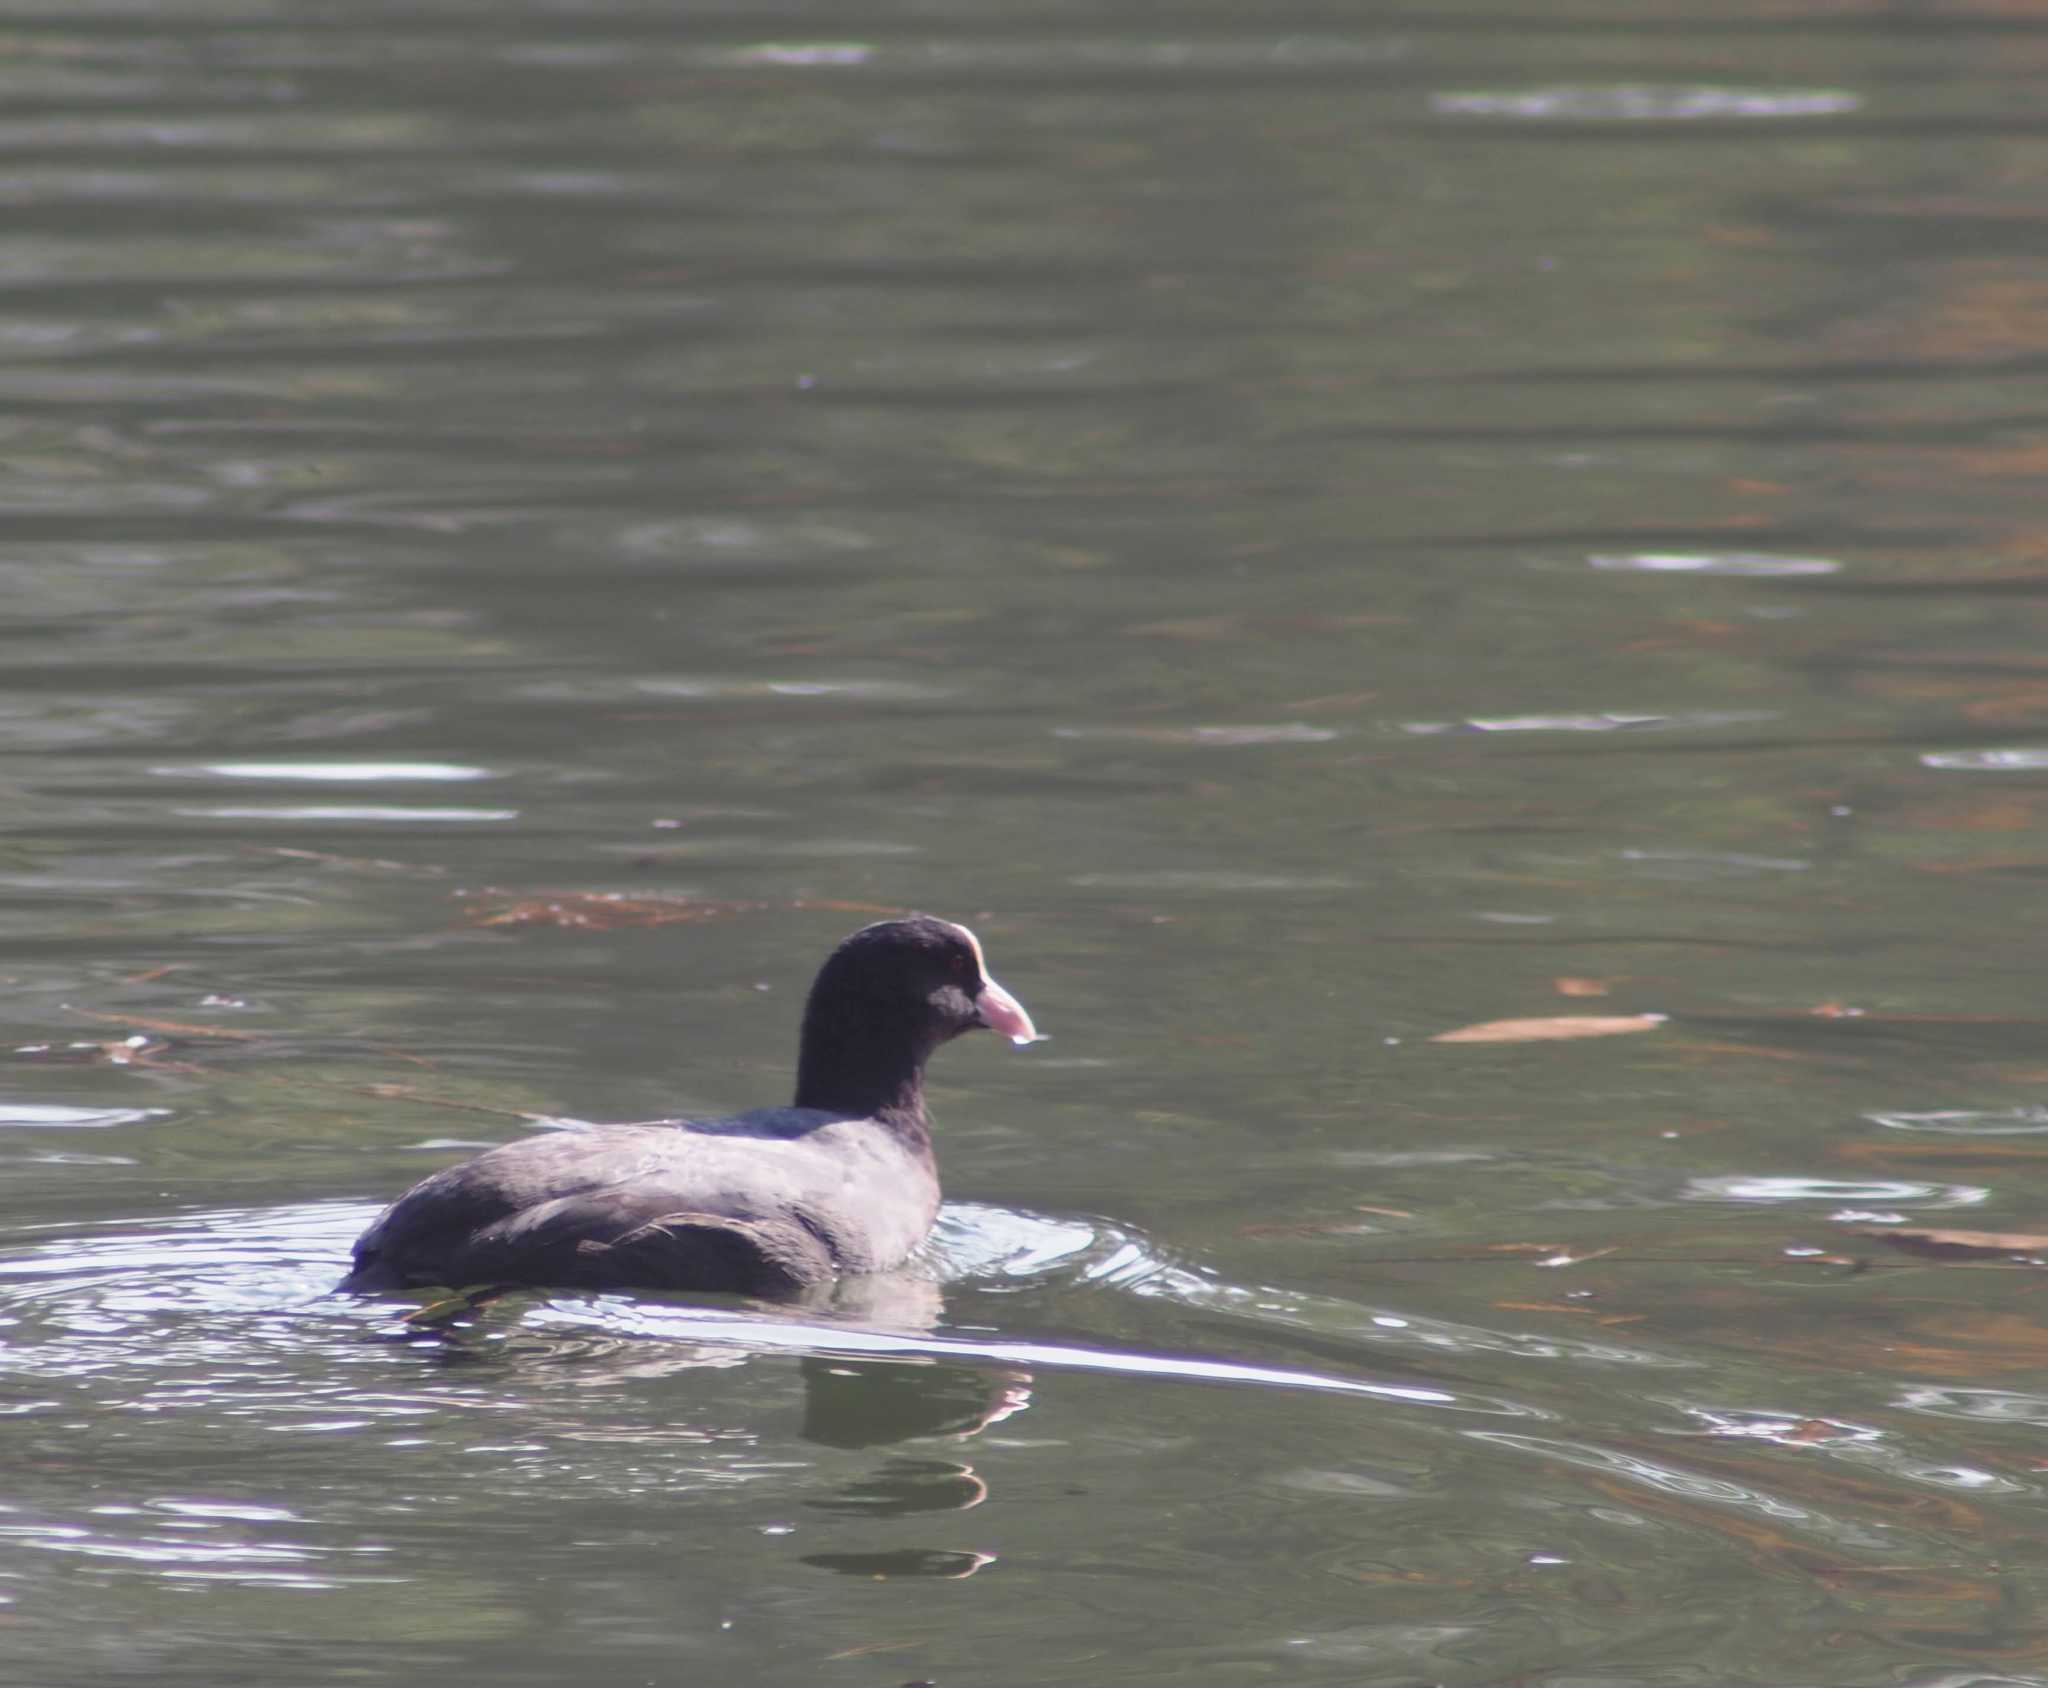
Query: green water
point(1310, 529)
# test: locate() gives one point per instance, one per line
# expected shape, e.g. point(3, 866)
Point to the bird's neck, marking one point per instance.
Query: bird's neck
point(843, 1068)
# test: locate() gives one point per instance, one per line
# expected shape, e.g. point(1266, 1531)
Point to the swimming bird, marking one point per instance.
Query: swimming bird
point(769, 1203)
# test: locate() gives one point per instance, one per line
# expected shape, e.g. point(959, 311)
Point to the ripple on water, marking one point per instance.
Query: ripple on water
point(757, 542)
point(147, 1278)
point(1218, 737)
point(609, 689)
point(1996, 1406)
point(1668, 1476)
point(1645, 103)
point(1605, 721)
point(1851, 1444)
point(1969, 1122)
point(67, 721)
point(339, 773)
point(381, 814)
point(686, 1327)
point(205, 1262)
point(829, 690)
point(1742, 565)
point(1708, 864)
point(1754, 1187)
point(1132, 1267)
point(51, 1114)
point(972, 1240)
point(230, 1314)
point(2016, 759)
point(1255, 54)
point(1219, 879)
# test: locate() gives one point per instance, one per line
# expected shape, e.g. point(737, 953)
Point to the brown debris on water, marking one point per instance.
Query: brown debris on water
point(1551, 1028)
point(2026, 1247)
point(170, 1028)
point(592, 911)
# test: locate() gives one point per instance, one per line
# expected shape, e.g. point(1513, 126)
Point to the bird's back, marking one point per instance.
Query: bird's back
point(762, 1203)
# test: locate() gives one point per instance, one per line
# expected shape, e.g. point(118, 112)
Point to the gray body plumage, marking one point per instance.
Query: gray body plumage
point(765, 1203)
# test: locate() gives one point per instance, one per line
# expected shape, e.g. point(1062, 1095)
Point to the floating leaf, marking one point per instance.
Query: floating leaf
point(1947, 1150)
point(1819, 1430)
point(1551, 1028)
point(1962, 1245)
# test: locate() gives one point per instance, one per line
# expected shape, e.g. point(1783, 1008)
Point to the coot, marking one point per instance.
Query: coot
point(766, 1203)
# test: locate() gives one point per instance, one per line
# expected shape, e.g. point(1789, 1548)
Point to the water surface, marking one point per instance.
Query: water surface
point(519, 525)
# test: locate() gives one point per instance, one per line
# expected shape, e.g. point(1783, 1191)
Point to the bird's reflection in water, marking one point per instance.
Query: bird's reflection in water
point(906, 1562)
point(903, 1487)
point(865, 1404)
point(861, 1403)
point(849, 1402)
point(880, 1368)
point(852, 1403)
